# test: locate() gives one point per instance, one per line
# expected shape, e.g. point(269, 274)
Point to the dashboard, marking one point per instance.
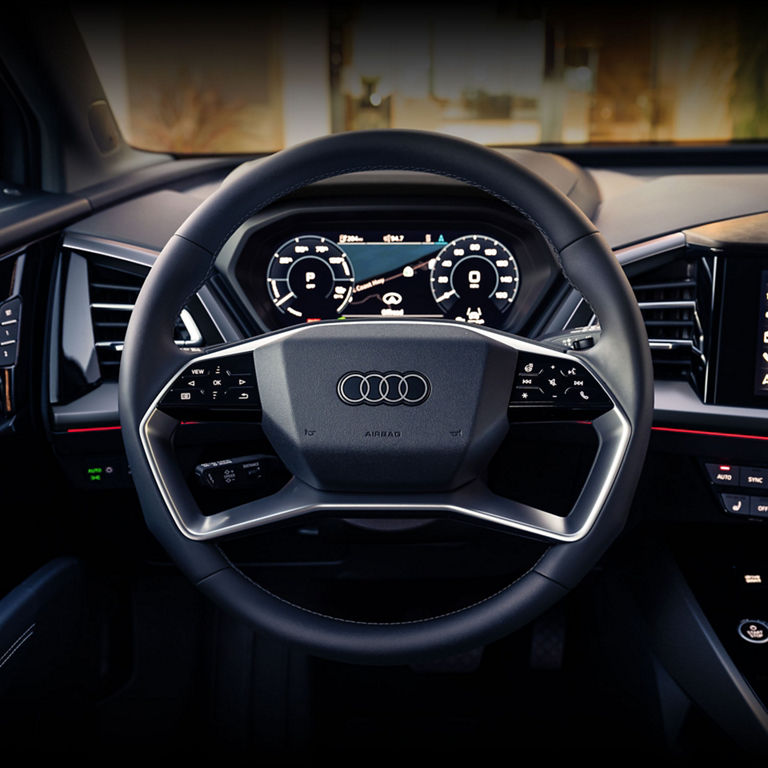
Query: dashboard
point(431, 262)
point(387, 246)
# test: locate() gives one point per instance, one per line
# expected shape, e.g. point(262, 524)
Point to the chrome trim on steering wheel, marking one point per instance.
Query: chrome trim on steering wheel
point(474, 500)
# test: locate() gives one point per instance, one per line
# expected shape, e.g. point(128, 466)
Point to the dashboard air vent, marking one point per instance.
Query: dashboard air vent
point(668, 300)
point(113, 291)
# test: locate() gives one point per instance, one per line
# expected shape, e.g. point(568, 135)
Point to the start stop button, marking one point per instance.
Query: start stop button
point(754, 631)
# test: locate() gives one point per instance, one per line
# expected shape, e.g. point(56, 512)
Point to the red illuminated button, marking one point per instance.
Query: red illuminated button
point(723, 474)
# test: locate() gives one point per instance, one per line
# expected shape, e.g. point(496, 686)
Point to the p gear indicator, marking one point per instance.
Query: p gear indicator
point(310, 277)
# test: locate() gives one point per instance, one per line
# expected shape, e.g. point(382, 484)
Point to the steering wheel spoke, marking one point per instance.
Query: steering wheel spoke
point(295, 500)
point(473, 501)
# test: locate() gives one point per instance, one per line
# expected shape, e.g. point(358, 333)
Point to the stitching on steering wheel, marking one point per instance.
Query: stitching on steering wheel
point(374, 623)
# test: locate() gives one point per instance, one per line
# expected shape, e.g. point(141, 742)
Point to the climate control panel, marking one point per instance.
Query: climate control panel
point(742, 490)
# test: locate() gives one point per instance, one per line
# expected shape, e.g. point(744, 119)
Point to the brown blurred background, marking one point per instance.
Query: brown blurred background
point(223, 80)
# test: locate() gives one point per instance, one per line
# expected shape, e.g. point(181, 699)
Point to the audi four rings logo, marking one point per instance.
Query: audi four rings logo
point(390, 388)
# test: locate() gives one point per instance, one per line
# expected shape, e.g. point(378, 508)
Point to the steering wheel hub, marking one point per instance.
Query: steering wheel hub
point(373, 439)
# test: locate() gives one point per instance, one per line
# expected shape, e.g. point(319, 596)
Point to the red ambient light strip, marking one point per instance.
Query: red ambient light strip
point(709, 434)
point(94, 429)
point(109, 429)
point(657, 429)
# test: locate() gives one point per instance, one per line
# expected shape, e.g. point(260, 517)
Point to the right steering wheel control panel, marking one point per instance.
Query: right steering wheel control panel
point(552, 387)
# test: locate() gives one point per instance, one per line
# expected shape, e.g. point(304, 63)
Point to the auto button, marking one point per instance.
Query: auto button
point(723, 474)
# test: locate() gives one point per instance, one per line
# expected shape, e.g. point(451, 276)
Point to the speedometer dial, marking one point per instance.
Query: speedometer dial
point(310, 278)
point(475, 279)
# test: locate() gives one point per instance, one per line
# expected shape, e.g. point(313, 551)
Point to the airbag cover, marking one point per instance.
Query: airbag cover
point(459, 382)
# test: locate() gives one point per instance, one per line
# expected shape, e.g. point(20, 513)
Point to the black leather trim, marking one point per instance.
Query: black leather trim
point(149, 359)
point(631, 382)
point(349, 641)
point(41, 622)
point(243, 194)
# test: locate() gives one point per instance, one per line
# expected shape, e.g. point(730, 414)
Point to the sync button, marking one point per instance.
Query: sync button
point(754, 477)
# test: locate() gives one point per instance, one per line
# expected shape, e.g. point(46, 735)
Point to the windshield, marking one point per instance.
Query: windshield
point(218, 80)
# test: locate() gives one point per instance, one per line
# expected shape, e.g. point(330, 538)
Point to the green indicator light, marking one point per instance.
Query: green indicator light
point(94, 473)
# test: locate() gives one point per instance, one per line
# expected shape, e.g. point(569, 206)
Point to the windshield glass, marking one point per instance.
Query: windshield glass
point(218, 80)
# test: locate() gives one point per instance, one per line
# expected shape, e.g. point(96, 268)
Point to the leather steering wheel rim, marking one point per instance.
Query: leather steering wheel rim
point(150, 359)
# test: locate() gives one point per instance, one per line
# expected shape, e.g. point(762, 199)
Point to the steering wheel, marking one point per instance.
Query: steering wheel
point(444, 390)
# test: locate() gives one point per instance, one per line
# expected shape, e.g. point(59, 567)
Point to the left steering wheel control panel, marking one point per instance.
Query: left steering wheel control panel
point(220, 388)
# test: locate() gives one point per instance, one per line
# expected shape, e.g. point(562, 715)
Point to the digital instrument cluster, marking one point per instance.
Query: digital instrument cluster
point(472, 278)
